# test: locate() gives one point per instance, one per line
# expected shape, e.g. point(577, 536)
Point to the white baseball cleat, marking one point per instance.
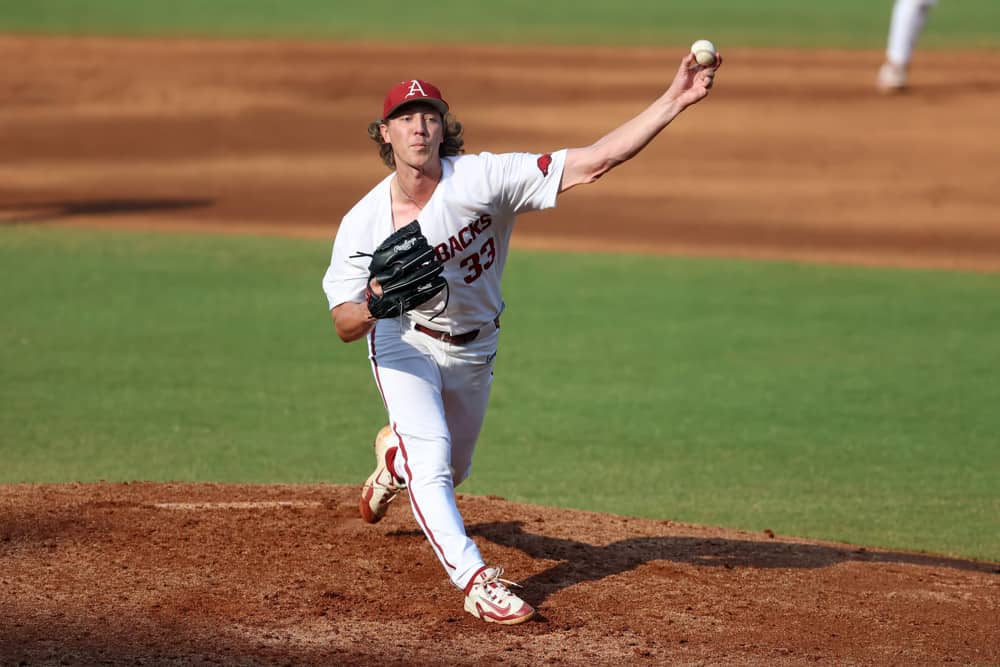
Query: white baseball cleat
point(382, 486)
point(891, 78)
point(488, 598)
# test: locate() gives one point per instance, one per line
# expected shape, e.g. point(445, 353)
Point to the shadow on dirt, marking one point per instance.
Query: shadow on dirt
point(26, 213)
point(586, 562)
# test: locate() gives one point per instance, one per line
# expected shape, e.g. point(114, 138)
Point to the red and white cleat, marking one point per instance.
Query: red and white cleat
point(382, 486)
point(488, 598)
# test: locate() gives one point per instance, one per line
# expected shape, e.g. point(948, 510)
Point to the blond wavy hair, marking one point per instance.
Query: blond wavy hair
point(452, 144)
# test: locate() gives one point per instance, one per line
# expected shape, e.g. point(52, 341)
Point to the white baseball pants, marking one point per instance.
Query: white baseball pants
point(908, 19)
point(436, 395)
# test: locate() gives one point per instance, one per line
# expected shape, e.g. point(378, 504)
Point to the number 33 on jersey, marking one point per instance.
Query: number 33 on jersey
point(469, 237)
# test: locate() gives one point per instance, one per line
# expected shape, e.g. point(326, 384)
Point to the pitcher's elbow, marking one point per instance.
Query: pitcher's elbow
point(596, 174)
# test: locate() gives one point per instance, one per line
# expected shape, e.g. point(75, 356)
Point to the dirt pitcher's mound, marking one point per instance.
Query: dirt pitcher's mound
point(225, 574)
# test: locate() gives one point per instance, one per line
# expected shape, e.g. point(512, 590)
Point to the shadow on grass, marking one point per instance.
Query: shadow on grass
point(26, 213)
point(585, 562)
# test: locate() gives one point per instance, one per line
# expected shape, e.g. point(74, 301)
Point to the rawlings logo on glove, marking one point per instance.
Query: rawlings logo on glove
point(407, 244)
point(407, 270)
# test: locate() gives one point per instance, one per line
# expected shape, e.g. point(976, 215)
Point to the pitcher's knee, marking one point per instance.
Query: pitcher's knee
point(431, 475)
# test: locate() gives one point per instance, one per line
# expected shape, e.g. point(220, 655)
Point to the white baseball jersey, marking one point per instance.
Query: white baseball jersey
point(468, 220)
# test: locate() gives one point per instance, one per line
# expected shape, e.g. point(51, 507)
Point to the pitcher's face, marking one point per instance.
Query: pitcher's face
point(415, 132)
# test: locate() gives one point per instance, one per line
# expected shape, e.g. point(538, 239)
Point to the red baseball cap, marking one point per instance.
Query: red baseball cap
point(413, 90)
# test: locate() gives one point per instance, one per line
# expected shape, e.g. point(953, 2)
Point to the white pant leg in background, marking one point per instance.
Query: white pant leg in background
point(432, 389)
point(466, 395)
point(908, 19)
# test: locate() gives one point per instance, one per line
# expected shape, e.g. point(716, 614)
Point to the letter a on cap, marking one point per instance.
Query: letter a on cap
point(415, 88)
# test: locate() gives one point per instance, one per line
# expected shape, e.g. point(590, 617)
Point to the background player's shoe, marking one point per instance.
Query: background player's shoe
point(382, 486)
point(891, 78)
point(487, 597)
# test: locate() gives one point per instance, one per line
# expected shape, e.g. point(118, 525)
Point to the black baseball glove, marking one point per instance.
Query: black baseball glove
point(408, 271)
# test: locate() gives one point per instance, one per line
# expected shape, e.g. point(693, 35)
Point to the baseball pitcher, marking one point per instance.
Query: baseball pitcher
point(415, 271)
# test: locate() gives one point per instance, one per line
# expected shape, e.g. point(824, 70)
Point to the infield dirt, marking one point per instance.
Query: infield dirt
point(179, 574)
point(793, 157)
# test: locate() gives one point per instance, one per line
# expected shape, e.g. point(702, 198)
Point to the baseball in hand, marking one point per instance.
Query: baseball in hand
point(704, 52)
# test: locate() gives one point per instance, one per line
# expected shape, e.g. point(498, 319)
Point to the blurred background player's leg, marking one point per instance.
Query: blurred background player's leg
point(905, 26)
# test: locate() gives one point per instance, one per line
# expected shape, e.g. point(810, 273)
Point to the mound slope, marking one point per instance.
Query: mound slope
point(148, 573)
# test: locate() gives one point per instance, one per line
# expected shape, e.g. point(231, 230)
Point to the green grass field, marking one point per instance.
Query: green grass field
point(829, 402)
point(731, 23)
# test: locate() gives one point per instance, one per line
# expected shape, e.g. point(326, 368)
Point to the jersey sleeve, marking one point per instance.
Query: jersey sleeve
point(526, 181)
point(347, 277)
